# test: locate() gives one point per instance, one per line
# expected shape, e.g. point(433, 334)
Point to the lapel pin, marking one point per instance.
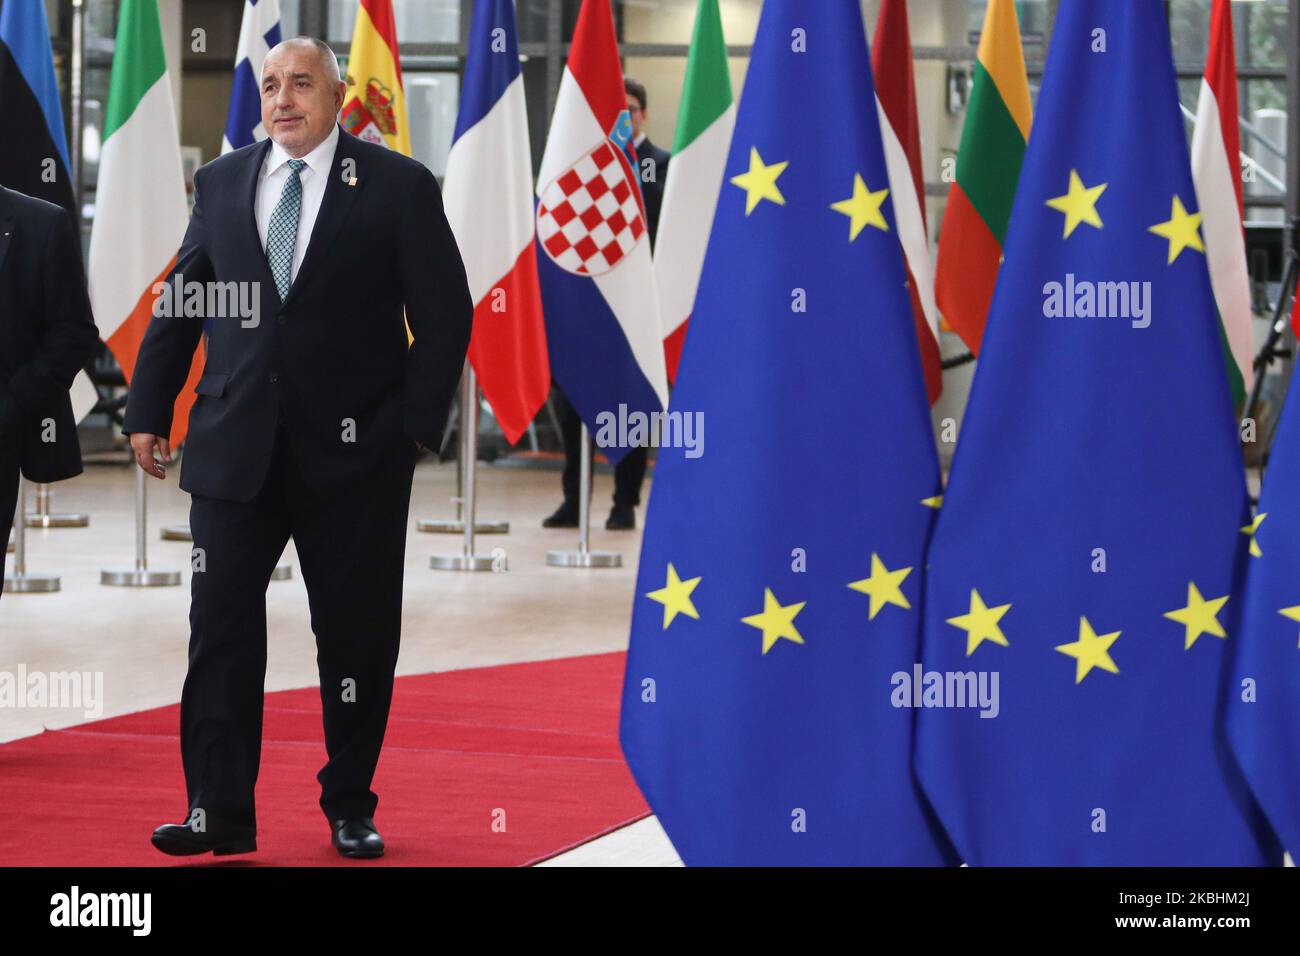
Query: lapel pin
point(352, 181)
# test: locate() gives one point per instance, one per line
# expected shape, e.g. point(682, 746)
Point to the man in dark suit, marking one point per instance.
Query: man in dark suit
point(307, 425)
point(629, 474)
point(46, 336)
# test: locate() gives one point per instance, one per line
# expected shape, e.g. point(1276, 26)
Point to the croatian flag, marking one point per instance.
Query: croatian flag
point(488, 196)
point(598, 288)
point(260, 31)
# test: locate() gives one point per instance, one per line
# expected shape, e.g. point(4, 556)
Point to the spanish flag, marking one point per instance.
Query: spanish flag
point(375, 106)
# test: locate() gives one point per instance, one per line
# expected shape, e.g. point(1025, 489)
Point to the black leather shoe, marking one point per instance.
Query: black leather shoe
point(179, 839)
point(566, 516)
point(358, 838)
point(621, 518)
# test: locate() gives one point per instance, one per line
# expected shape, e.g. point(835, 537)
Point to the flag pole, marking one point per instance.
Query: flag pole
point(584, 557)
point(42, 516)
point(21, 582)
point(467, 560)
point(456, 525)
point(140, 576)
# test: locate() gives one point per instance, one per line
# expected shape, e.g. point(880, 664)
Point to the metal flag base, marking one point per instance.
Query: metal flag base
point(460, 562)
point(20, 581)
point(583, 556)
point(467, 560)
point(42, 517)
point(31, 583)
point(141, 576)
point(457, 526)
point(584, 559)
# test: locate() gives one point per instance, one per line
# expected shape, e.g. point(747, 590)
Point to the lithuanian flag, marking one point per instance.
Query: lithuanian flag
point(988, 169)
point(375, 106)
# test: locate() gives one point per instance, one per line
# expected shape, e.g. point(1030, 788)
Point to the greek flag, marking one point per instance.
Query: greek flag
point(260, 32)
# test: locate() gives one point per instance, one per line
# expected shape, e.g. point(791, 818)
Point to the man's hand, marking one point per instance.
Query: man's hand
point(151, 453)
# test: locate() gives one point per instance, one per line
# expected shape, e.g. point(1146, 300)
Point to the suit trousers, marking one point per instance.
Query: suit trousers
point(351, 545)
point(8, 501)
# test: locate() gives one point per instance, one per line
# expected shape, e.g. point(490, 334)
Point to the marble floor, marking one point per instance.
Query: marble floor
point(137, 637)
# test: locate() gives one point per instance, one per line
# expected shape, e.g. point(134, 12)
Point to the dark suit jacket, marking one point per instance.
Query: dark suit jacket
point(653, 192)
point(335, 351)
point(47, 335)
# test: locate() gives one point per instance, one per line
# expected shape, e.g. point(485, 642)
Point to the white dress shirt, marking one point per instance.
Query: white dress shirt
point(270, 183)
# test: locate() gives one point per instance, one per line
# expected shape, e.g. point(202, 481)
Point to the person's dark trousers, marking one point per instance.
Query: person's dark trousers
point(351, 548)
point(8, 502)
point(629, 474)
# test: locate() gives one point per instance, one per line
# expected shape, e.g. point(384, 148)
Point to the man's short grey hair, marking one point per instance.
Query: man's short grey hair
point(329, 62)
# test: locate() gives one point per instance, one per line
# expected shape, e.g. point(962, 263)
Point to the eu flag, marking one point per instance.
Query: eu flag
point(780, 578)
point(1088, 548)
point(1263, 697)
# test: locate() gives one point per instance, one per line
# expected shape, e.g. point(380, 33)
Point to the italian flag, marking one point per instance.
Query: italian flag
point(140, 206)
point(705, 120)
point(375, 106)
point(1216, 165)
point(988, 170)
point(900, 130)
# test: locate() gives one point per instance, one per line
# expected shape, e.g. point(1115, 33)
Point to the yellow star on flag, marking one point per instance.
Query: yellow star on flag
point(883, 587)
point(776, 622)
point(1252, 529)
point(863, 208)
point(935, 502)
point(1090, 650)
point(1292, 613)
point(981, 623)
point(1199, 616)
point(1079, 204)
point(675, 596)
point(759, 182)
point(1182, 229)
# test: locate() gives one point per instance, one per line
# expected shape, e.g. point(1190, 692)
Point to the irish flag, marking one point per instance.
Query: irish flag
point(705, 119)
point(891, 67)
point(375, 106)
point(140, 206)
point(1216, 166)
point(988, 169)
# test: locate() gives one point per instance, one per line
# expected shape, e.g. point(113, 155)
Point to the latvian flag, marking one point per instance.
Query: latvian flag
point(259, 32)
point(489, 200)
point(598, 289)
point(705, 121)
point(1216, 170)
point(891, 66)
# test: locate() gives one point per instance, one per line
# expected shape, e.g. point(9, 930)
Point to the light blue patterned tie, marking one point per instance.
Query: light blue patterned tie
point(282, 233)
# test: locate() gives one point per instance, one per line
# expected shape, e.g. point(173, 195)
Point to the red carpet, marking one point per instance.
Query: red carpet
point(533, 747)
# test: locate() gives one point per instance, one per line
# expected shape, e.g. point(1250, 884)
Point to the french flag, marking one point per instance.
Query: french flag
point(259, 32)
point(598, 288)
point(488, 196)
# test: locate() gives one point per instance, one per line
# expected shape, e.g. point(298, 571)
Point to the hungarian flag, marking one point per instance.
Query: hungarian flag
point(34, 160)
point(988, 169)
point(140, 206)
point(705, 119)
point(375, 106)
point(1216, 169)
point(489, 200)
point(891, 63)
point(598, 289)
